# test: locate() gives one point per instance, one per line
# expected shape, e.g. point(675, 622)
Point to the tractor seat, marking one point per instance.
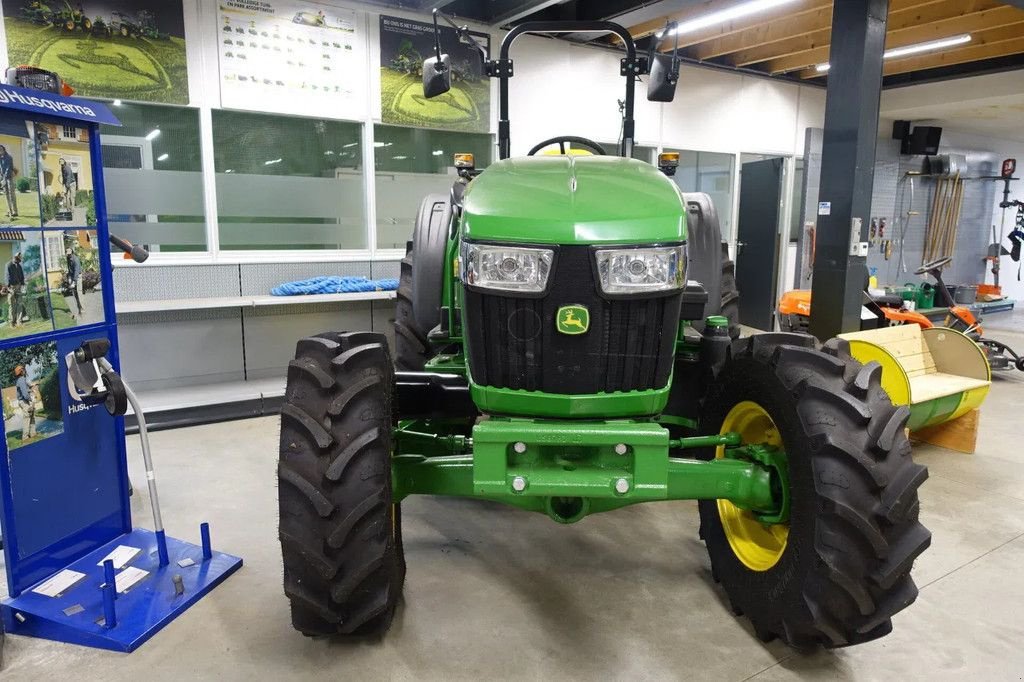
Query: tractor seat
point(888, 301)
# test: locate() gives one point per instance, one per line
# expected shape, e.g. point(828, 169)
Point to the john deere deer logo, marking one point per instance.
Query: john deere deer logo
point(572, 319)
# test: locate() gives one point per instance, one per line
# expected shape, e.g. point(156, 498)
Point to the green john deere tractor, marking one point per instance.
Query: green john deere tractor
point(564, 346)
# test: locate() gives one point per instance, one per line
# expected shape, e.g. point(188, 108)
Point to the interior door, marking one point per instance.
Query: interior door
point(757, 241)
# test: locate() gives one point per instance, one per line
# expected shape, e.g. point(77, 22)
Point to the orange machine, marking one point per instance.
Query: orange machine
point(795, 311)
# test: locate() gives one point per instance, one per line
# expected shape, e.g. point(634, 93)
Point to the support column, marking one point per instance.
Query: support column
point(847, 163)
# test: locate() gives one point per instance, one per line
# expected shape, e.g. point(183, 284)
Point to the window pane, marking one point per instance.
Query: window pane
point(709, 172)
point(152, 172)
point(288, 183)
point(411, 163)
point(640, 152)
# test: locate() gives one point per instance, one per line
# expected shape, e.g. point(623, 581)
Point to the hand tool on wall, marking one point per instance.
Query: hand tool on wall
point(944, 219)
point(1016, 236)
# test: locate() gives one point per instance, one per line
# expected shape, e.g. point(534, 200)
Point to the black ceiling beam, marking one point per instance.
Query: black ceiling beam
point(1010, 62)
point(589, 10)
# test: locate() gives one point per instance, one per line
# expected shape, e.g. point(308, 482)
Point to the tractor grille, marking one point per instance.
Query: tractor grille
point(512, 341)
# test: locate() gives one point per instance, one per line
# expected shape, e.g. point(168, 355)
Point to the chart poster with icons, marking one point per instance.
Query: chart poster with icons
point(404, 44)
point(132, 49)
point(291, 58)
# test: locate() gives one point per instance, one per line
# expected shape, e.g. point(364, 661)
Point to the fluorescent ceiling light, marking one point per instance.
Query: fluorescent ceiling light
point(163, 157)
point(229, 170)
point(929, 46)
point(271, 162)
point(153, 134)
point(399, 158)
point(437, 152)
point(720, 17)
point(350, 145)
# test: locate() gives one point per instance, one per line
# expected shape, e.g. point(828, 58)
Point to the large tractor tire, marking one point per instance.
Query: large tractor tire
point(708, 261)
point(836, 572)
point(418, 304)
point(341, 536)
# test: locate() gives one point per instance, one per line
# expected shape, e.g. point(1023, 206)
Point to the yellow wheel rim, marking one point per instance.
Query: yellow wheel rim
point(756, 545)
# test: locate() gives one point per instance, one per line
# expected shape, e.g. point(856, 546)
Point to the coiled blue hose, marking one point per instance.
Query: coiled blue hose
point(333, 284)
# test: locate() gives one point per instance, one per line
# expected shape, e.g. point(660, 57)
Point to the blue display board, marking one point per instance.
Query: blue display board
point(63, 475)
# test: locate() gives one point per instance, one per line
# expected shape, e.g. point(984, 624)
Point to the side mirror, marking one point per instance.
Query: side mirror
point(661, 83)
point(437, 76)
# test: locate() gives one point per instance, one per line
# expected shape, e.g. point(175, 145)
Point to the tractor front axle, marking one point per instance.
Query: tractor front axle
point(570, 469)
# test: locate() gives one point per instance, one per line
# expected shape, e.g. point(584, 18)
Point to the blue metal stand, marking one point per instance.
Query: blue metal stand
point(64, 503)
point(137, 614)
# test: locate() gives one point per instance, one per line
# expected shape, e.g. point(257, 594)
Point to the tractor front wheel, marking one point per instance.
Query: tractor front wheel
point(834, 567)
point(341, 535)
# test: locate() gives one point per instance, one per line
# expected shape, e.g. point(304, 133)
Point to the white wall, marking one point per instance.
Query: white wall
point(979, 113)
point(1003, 149)
point(561, 88)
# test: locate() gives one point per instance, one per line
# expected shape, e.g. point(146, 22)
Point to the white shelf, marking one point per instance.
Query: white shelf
point(163, 305)
point(184, 397)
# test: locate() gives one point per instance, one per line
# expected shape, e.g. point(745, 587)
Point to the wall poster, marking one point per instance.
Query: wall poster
point(404, 44)
point(291, 57)
point(65, 175)
point(19, 179)
point(130, 49)
point(30, 388)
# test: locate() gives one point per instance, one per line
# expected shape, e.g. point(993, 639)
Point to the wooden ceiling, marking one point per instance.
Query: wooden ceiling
point(790, 40)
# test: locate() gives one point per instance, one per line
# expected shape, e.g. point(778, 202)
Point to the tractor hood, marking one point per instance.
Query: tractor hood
point(573, 200)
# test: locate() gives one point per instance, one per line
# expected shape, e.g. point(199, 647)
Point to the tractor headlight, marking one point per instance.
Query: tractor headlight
point(640, 271)
point(506, 268)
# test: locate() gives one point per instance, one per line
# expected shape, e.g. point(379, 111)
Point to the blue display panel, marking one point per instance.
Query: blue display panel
point(63, 477)
point(63, 480)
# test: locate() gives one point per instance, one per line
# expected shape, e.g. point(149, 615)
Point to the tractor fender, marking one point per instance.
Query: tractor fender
point(708, 260)
point(429, 238)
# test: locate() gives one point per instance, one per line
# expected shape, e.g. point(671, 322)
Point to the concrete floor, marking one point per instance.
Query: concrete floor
point(498, 593)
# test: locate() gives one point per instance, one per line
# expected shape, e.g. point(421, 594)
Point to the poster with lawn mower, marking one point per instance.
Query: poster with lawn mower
point(130, 49)
point(24, 299)
point(404, 44)
point(65, 175)
point(291, 57)
point(19, 179)
point(73, 277)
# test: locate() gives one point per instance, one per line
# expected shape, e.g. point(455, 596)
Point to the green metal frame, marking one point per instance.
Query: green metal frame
point(568, 469)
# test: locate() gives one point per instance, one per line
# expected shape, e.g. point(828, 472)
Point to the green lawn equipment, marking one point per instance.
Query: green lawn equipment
point(72, 19)
point(124, 26)
point(147, 27)
point(564, 346)
point(37, 13)
point(100, 28)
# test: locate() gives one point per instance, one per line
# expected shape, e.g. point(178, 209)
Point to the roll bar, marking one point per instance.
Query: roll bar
point(630, 67)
